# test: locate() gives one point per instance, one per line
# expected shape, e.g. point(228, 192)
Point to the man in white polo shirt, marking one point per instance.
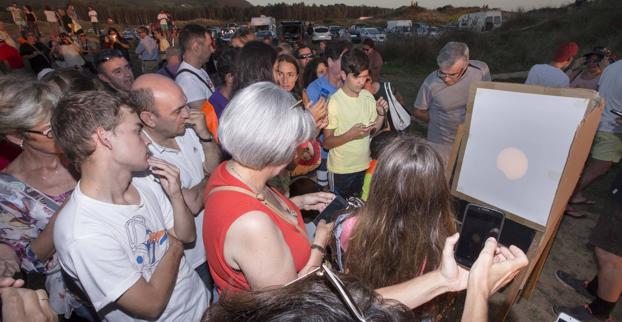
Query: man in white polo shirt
point(196, 43)
point(119, 237)
point(180, 137)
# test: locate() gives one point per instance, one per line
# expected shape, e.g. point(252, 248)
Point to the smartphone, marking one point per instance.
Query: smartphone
point(329, 214)
point(478, 223)
point(616, 112)
point(324, 93)
point(563, 317)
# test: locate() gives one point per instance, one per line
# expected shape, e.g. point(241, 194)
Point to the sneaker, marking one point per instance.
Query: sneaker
point(581, 313)
point(573, 283)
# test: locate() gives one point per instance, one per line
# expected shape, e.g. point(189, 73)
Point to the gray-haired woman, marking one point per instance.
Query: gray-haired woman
point(254, 236)
point(32, 188)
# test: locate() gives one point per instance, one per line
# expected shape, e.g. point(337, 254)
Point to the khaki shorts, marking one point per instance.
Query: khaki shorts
point(607, 147)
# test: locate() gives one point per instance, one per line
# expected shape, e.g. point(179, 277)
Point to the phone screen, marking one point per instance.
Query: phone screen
point(478, 224)
point(324, 93)
point(328, 214)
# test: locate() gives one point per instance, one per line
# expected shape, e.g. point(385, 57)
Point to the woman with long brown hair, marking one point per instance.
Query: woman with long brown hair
point(401, 231)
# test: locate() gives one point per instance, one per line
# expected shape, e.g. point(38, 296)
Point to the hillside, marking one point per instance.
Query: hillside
point(439, 16)
point(526, 38)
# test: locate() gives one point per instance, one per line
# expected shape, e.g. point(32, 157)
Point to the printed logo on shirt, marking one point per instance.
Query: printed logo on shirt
point(147, 246)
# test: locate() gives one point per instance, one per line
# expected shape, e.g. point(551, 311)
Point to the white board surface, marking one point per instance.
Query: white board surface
point(517, 148)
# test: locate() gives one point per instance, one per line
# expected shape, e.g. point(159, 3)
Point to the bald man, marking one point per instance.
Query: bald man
point(179, 136)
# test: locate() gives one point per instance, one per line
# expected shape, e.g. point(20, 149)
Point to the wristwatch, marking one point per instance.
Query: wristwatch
point(209, 139)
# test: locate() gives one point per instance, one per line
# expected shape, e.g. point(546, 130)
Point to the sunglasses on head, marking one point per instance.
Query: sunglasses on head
point(339, 288)
point(108, 55)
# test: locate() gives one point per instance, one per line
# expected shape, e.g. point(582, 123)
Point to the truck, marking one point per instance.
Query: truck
point(292, 31)
point(264, 23)
point(481, 21)
point(399, 26)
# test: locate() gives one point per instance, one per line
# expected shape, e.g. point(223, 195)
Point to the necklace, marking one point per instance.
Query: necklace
point(260, 196)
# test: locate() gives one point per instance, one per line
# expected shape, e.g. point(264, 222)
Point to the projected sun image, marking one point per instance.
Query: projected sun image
point(513, 163)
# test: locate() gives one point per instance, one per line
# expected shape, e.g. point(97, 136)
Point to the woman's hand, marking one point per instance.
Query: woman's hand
point(319, 110)
point(495, 267)
point(456, 277)
point(20, 305)
point(313, 201)
point(9, 261)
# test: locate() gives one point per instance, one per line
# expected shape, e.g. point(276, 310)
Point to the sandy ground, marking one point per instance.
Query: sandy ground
point(572, 253)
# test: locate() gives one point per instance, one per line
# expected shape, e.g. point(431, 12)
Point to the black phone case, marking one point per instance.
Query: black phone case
point(464, 262)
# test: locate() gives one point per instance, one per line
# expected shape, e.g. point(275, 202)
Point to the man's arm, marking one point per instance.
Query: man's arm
point(194, 196)
point(211, 150)
point(149, 298)
point(140, 48)
point(183, 220)
point(420, 114)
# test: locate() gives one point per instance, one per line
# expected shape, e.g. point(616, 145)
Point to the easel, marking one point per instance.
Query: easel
point(544, 236)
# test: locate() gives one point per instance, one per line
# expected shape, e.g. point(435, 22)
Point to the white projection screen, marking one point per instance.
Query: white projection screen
point(517, 148)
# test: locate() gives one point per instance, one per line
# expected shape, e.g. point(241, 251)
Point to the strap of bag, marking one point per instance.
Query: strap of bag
point(259, 198)
point(197, 76)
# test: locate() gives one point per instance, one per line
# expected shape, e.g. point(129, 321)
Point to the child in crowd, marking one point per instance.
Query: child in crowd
point(377, 143)
point(353, 114)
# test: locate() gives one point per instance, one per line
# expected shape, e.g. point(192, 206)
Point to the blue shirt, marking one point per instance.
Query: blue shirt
point(313, 92)
point(148, 49)
point(314, 89)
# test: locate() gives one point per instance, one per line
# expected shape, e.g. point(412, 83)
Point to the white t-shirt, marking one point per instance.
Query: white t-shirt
point(50, 16)
point(548, 76)
point(162, 18)
point(93, 15)
point(189, 159)
point(106, 248)
point(610, 88)
point(194, 88)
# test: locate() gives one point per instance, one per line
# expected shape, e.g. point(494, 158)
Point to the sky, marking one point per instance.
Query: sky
point(432, 4)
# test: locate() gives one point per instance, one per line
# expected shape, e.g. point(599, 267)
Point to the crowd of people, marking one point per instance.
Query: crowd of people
point(189, 190)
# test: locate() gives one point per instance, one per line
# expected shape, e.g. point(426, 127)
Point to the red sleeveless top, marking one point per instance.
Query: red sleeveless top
point(222, 208)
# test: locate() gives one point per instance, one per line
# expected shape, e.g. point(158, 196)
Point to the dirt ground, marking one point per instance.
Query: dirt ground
point(572, 253)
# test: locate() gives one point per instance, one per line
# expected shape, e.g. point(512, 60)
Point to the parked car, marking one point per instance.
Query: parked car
point(355, 36)
point(320, 33)
point(129, 34)
point(373, 34)
point(334, 31)
point(435, 32)
point(261, 34)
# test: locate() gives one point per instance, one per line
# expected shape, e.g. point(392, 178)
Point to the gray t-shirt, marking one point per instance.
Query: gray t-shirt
point(447, 104)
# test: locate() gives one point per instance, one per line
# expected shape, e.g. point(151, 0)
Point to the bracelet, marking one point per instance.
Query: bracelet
point(210, 139)
point(381, 114)
point(319, 248)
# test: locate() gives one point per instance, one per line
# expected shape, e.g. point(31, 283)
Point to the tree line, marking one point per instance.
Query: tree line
point(281, 11)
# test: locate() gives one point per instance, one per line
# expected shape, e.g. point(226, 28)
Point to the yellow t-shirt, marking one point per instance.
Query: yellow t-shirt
point(343, 113)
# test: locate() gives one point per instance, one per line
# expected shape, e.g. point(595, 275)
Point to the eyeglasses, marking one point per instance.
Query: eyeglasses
point(457, 75)
point(306, 56)
point(335, 281)
point(47, 133)
point(107, 55)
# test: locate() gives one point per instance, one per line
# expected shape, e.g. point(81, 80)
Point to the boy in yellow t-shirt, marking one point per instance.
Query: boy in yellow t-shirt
point(353, 114)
